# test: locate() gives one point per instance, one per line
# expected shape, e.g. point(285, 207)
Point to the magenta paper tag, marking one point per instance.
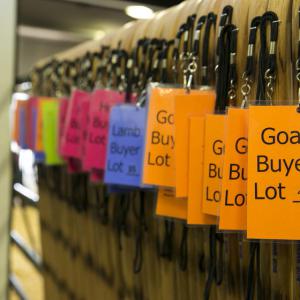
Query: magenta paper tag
point(96, 175)
point(74, 165)
point(31, 125)
point(63, 107)
point(71, 139)
point(85, 107)
point(101, 103)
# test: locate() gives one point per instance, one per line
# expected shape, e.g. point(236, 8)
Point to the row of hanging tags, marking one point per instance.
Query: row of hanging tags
point(186, 62)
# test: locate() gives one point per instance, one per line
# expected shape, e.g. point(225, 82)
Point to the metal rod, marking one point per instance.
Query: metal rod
point(17, 287)
point(28, 196)
point(30, 254)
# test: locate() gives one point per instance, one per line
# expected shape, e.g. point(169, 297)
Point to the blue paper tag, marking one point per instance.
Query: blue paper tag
point(125, 145)
point(39, 157)
point(22, 129)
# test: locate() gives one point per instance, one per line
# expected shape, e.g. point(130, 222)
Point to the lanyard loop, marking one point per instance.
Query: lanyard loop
point(197, 34)
point(248, 75)
point(175, 55)
point(225, 18)
point(211, 21)
point(226, 72)
point(267, 59)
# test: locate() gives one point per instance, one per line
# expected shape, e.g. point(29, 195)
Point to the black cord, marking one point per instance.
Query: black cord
point(226, 72)
point(212, 262)
point(175, 55)
point(141, 228)
point(211, 21)
point(267, 59)
point(167, 246)
point(254, 253)
point(225, 18)
point(250, 62)
point(123, 206)
point(164, 59)
point(183, 250)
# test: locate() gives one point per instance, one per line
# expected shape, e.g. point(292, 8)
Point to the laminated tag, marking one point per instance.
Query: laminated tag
point(125, 145)
point(233, 208)
point(273, 205)
point(71, 140)
point(63, 107)
point(50, 116)
point(168, 205)
point(213, 163)
point(195, 214)
point(185, 106)
point(101, 103)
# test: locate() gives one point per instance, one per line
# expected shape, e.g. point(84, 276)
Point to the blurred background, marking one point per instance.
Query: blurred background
point(46, 27)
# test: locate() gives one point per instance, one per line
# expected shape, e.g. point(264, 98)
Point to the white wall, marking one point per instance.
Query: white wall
point(7, 57)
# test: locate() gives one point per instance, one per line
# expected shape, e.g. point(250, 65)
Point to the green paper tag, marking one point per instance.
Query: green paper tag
point(50, 114)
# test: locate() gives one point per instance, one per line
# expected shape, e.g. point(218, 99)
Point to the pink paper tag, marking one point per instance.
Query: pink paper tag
point(71, 139)
point(96, 175)
point(101, 102)
point(63, 107)
point(85, 107)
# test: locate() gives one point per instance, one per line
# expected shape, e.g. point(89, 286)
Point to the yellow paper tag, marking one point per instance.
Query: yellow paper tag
point(233, 208)
point(273, 206)
point(196, 152)
point(213, 163)
point(185, 106)
point(168, 205)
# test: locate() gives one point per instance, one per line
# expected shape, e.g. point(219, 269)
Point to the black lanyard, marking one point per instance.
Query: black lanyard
point(211, 21)
point(226, 71)
point(267, 58)
point(225, 18)
point(249, 73)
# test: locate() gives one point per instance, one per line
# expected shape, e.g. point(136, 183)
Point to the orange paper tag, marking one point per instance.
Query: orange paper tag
point(159, 157)
point(196, 152)
point(213, 163)
point(273, 206)
point(185, 106)
point(39, 147)
point(169, 206)
point(16, 122)
point(233, 209)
